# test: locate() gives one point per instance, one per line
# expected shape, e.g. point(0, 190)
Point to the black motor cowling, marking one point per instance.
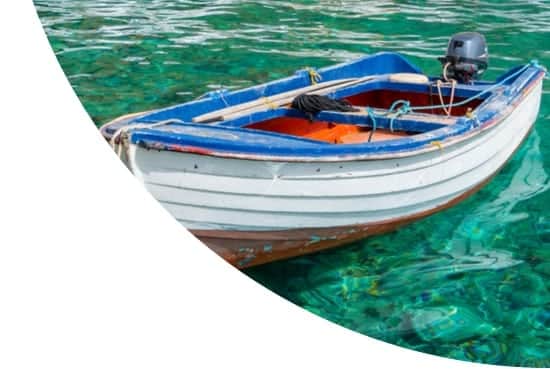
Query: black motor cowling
point(466, 57)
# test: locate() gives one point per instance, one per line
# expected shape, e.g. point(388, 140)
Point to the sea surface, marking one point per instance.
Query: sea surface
point(470, 283)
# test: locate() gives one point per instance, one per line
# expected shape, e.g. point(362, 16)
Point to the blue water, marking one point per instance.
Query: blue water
point(470, 283)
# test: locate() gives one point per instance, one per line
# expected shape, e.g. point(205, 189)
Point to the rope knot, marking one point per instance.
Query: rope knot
point(400, 107)
point(314, 77)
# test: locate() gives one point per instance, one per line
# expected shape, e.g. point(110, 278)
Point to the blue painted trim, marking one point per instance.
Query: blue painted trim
point(231, 137)
point(291, 146)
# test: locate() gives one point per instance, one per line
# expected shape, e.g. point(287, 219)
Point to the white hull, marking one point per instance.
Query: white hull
point(214, 193)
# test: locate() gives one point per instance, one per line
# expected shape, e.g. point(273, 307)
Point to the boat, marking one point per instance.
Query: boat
point(258, 180)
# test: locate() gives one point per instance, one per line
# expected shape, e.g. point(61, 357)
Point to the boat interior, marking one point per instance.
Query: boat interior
point(377, 122)
point(357, 127)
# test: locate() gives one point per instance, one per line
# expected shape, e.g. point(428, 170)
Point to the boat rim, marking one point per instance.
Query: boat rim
point(450, 139)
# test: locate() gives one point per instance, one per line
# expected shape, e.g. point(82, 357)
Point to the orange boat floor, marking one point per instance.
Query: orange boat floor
point(325, 131)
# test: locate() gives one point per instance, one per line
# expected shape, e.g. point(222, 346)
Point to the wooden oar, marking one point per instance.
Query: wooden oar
point(277, 100)
point(288, 100)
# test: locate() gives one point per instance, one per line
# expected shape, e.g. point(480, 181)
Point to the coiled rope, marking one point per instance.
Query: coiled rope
point(313, 104)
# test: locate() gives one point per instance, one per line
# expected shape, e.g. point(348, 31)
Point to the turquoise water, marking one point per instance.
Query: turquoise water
point(470, 283)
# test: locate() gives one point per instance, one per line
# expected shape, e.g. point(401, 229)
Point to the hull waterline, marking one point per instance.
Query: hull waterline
point(447, 177)
point(255, 197)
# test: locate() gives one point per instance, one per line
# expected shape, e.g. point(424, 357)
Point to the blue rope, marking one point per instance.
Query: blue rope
point(397, 112)
point(372, 116)
point(405, 103)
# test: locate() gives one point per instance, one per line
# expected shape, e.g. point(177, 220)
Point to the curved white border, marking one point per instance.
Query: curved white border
point(94, 273)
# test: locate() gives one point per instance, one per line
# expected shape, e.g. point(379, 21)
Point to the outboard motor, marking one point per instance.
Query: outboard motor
point(466, 57)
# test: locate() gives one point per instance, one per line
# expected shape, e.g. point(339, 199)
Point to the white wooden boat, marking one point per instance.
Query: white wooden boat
point(261, 182)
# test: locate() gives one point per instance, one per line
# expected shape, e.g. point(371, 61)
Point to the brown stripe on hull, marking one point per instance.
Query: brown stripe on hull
point(245, 249)
point(248, 248)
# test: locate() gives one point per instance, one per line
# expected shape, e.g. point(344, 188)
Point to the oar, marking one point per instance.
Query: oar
point(288, 100)
point(275, 100)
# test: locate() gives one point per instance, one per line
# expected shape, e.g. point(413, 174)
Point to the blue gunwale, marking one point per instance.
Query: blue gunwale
point(231, 138)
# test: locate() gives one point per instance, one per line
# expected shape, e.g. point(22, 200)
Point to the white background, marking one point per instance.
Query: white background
point(94, 273)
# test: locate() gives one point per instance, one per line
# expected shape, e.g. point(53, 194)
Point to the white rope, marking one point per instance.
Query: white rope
point(446, 109)
point(119, 139)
